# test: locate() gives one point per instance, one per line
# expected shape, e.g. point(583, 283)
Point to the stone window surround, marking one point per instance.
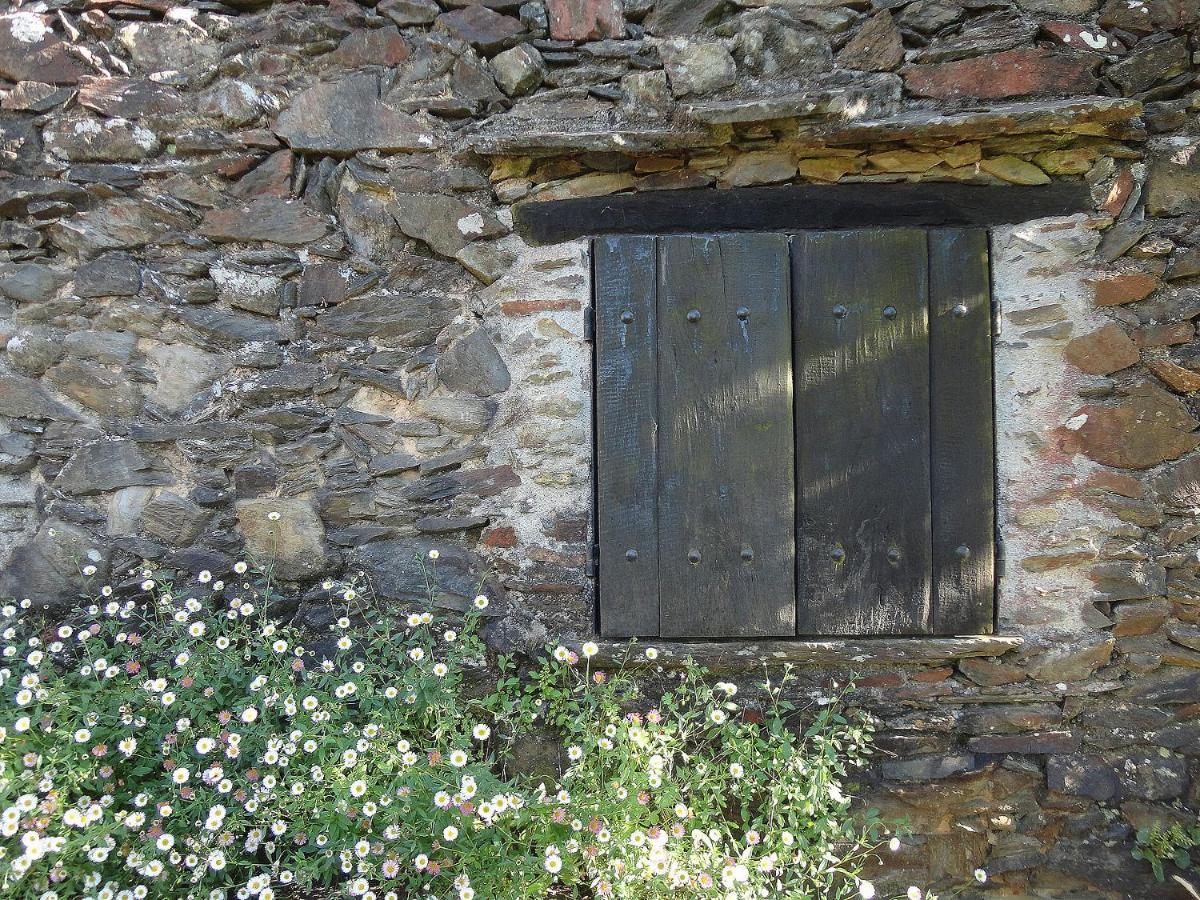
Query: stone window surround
point(1036, 264)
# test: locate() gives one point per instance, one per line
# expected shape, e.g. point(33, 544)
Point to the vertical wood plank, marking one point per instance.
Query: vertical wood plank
point(626, 414)
point(961, 426)
point(726, 477)
point(860, 302)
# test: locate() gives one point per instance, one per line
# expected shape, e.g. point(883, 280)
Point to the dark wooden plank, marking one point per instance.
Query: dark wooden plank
point(726, 477)
point(626, 412)
point(797, 207)
point(963, 485)
point(862, 432)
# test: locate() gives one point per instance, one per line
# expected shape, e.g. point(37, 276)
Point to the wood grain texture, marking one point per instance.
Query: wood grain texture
point(626, 424)
point(726, 488)
point(862, 432)
point(961, 431)
point(797, 207)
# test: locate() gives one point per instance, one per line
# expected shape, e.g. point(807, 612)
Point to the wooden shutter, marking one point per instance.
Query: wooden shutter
point(694, 436)
point(737, 499)
point(626, 423)
point(961, 431)
point(725, 464)
point(862, 432)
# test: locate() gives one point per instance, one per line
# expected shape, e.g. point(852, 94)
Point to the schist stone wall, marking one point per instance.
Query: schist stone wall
point(258, 258)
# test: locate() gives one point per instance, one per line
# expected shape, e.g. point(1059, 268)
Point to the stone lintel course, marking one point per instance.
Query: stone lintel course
point(265, 263)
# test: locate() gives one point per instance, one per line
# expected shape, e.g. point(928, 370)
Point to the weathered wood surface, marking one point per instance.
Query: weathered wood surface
point(626, 423)
point(797, 207)
point(861, 652)
point(725, 463)
point(961, 431)
point(860, 303)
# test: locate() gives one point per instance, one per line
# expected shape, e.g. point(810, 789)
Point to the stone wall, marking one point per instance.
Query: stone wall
point(257, 258)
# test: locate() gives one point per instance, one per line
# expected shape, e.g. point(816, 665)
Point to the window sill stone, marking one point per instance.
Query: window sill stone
point(739, 655)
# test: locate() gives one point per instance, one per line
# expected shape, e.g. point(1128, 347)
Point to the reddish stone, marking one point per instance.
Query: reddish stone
point(1176, 377)
point(484, 29)
point(585, 20)
point(371, 47)
point(1165, 335)
point(1119, 193)
point(1080, 37)
point(272, 178)
point(1117, 290)
point(934, 675)
point(29, 51)
point(1103, 351)
point(1117, 483)
point(528, 307)
point(1148, 428)
point(500, 536)
point(1013, 73)
point(990, 674)
point(885, 679)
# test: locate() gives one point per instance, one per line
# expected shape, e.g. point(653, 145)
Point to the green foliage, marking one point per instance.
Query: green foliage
point(178, 743)
point(1175, 845)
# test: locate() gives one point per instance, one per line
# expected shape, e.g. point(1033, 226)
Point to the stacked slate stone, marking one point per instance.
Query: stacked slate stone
point(257, 258)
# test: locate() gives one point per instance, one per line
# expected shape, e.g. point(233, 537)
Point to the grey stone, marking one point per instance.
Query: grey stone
point(695, 68)
point(248, 288)
point(129, 98)
point(33, 350)
point(117, 224)
point(173, 519)
point(323, 284)
point(390, 319)
point(409, 12)
point(1036, 743)
point(1167, 686)
point(519, 70)
point(170, 47)
point(293, 543)
point(182, 374)
point(30, 282)
point(287, 222)
point(107, 465)
point(1151, 774)
point(393, 463)
point(96, 387)
point(928, 768)
point(17, 194)
point(1149, 64)
point(343, 117)
point(876, 47)
point(461, 415)
point(1118, 581)
point(23, 398)
point(112, 348)
point(445, 524)
point(402, 570)
point(1179, 485)
point(1071, 663)
point(445, 223)
point(228, 329)
point(1082, 776)
point(928, 16)
point(647, 94)
point(113, 275)
point(472, 364)
point(1172, 183)
point(49, 568)
point(771, 45)
point(486, 260)
point(672, 17)
point(18, 453)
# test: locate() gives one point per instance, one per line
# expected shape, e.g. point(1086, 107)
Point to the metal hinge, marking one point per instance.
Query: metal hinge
point(593, 560)
point(589, 323)
point(1001, 558)
point(995, 316)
